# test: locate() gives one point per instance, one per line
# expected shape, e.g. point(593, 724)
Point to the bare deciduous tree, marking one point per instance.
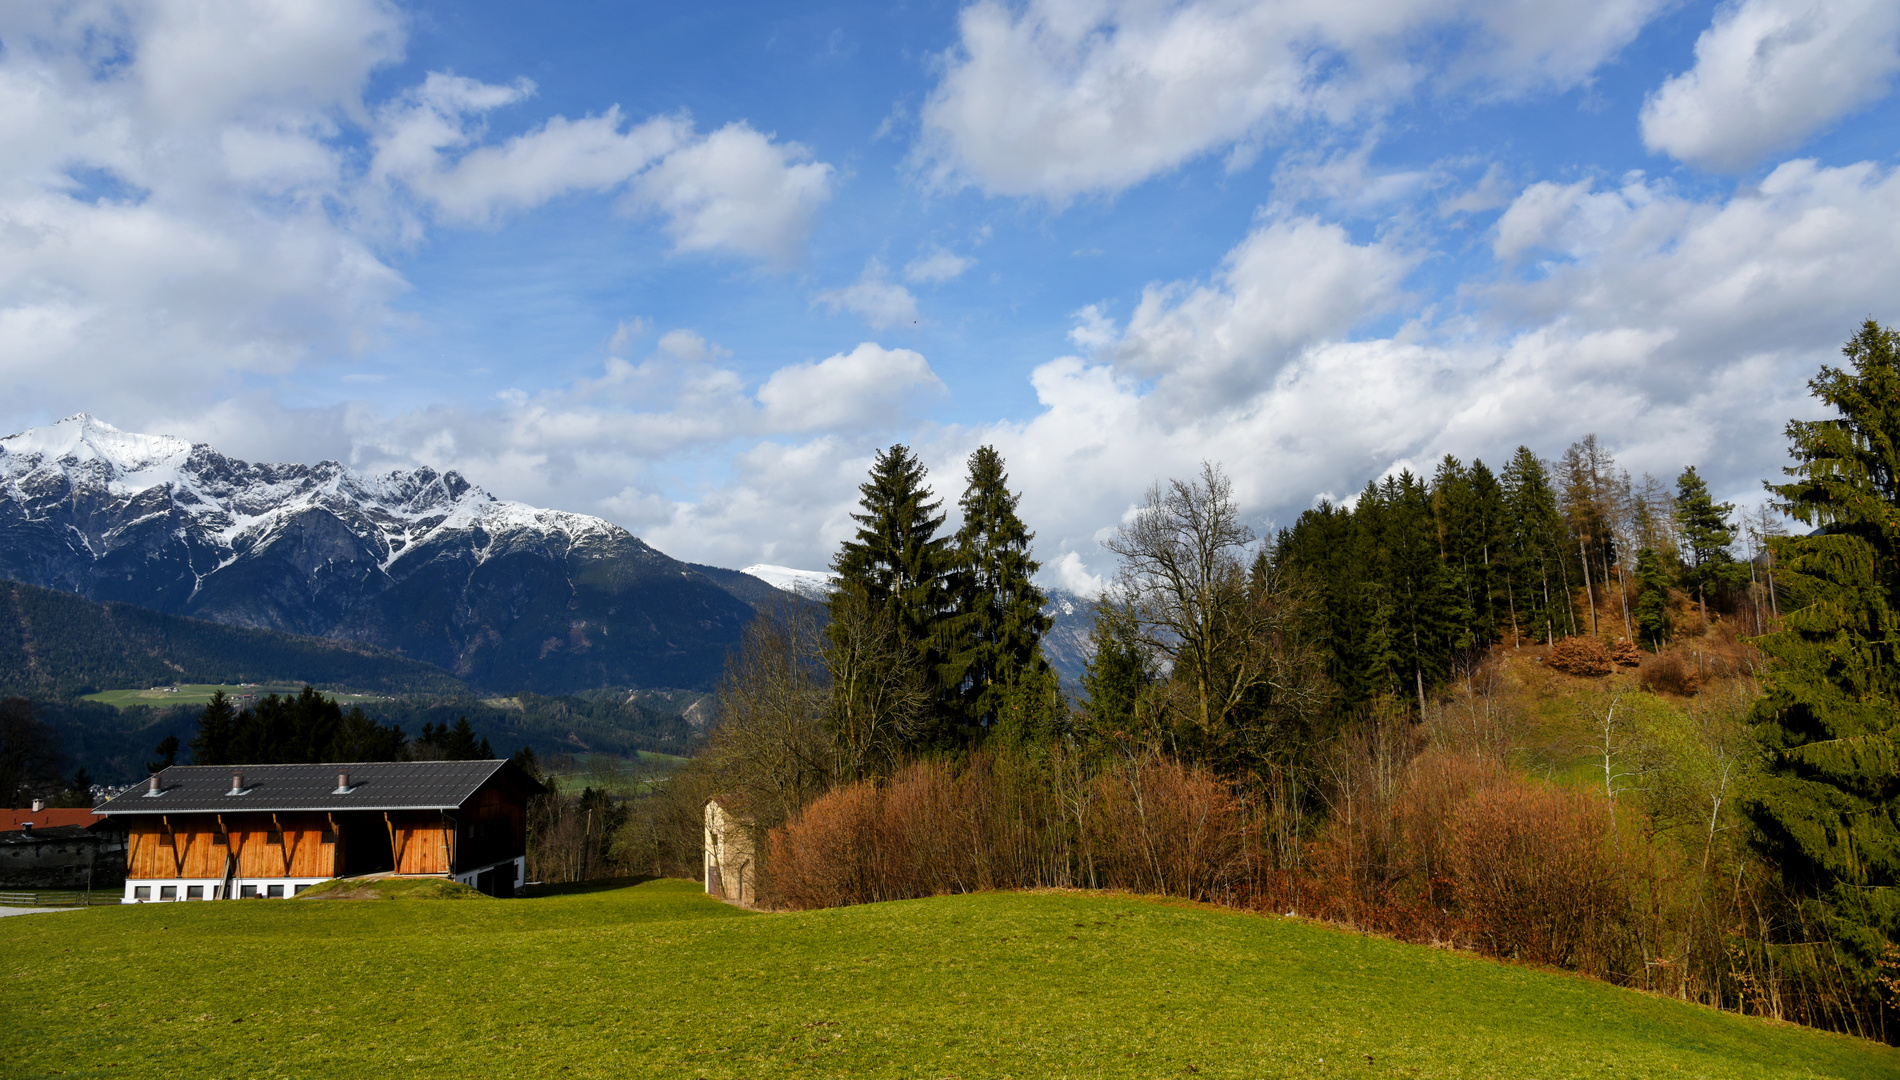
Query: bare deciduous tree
point(1184, 577)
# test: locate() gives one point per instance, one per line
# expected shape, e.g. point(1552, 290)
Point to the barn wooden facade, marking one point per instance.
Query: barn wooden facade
point(201, 832)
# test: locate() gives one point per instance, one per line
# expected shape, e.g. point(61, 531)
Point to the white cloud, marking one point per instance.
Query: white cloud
point(938, 266)
point(736, 191)
point(1770, 73)
point(559, 157)
point(868, 387)
point(883, 304)
point(184, 200)
point(1068, 97)
point(1289, 284)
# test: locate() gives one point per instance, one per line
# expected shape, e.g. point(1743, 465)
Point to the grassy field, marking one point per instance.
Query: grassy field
point(656, 980)
point(200, 693)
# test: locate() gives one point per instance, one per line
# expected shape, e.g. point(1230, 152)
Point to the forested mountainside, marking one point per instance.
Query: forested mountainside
point(55, 644)
point(504, 596)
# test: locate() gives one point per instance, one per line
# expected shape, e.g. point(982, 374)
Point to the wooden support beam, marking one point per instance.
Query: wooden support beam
point(395, 856)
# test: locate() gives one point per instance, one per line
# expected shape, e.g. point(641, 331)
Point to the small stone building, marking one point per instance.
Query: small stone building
point(60, 848)
point(731, 863)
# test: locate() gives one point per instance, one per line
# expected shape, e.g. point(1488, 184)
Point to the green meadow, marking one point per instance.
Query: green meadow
point(200, 693)
point(656, 979)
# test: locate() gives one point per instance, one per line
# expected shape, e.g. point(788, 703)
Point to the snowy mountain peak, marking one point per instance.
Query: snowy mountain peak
point(81, 440)
point(232, 507)
point(813, 583)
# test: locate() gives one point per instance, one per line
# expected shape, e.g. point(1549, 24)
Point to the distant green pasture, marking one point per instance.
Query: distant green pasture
point(659, 980)
point(200, 693)
point(639, 775)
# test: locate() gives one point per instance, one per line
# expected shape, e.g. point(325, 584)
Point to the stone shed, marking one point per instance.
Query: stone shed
point(731, 853)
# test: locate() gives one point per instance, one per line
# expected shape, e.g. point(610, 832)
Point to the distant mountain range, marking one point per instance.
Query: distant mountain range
point(419, 564)
point(502, 595)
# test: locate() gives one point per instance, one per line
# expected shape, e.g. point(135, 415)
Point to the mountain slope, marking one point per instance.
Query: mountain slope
point(503, 595)
point(56, 644)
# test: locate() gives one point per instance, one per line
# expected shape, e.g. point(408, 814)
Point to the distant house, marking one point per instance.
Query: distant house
point(205, 832)
point(730, 854)
point(47, 847)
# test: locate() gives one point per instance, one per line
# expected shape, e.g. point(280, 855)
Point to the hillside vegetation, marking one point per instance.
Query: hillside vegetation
point(57, 644)
point(659, 980)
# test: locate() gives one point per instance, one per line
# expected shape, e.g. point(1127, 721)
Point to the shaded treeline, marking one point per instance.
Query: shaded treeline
point(1417, 574)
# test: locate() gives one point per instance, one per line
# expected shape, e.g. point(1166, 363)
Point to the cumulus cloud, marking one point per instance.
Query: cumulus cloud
point(1770, 73)
point(866, 387)
point(1289, 284)
point(881, 303)
point(185, 199)
point(736, 191)
point(1063, 98)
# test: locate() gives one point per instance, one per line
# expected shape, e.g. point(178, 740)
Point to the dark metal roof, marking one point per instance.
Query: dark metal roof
point(52, 834)
point(374, 785)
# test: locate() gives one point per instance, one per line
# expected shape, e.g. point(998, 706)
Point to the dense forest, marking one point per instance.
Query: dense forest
point(1550, 712)
point(56, 645)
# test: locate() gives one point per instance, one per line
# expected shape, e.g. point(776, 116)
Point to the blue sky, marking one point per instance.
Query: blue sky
point(688, 268)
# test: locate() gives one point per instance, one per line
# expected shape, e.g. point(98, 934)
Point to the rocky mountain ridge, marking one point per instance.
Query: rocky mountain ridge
point(500, 593)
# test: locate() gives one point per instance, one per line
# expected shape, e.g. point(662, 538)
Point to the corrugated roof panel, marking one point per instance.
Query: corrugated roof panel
point(374, 785)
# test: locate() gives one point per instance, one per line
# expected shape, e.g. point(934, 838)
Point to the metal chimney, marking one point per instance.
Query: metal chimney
point(237, 784)
point(342, 784)
point(38, 805)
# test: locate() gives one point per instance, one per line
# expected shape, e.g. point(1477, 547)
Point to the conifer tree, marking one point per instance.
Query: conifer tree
point(1652, 598)
point(1118, 672)
point(1828, 811)
point(899, 563)
point(1540, 559)
point(993, 638)
point(1706, 536)
point(217, 726)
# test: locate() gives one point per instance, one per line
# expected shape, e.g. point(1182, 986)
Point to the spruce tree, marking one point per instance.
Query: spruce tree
point(992, 640)
point(217, 727)
point(1828, 811)
point(899, 563)
point(1118, 671)
point(1652, 598)
point(1538, 548)
point(1706, 536)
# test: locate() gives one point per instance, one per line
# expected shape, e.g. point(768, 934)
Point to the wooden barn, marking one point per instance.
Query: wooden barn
point(205, 832)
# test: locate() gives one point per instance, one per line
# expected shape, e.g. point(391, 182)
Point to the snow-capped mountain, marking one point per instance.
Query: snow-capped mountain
point(815, 584)
point(503, 594)
point(1068, 645)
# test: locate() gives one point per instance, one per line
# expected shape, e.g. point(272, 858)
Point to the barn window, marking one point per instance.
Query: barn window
point(276, 892)
point(299, 889)
point(250, 892)
point(168, 892)
point(328, 837)
point(274, 837)
point(218, 840)
point(194, 892)
point(142, 892)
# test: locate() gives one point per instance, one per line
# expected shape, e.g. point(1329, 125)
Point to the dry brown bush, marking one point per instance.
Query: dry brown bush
point(1625, 653)
point(1531, 874)
point(1161, 827)
point(1666, 673)
point(1003, 821)
point(1580, 656)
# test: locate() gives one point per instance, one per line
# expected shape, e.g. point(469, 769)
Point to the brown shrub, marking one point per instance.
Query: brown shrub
point(1161, 827)
point(1666, 673)
point(1531, 874)
point(1625, 653)
point(1580, 656)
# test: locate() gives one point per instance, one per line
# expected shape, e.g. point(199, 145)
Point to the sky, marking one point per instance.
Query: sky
point(689, 267)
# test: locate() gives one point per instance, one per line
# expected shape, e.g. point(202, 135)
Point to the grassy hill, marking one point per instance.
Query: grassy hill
point(659, 980)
